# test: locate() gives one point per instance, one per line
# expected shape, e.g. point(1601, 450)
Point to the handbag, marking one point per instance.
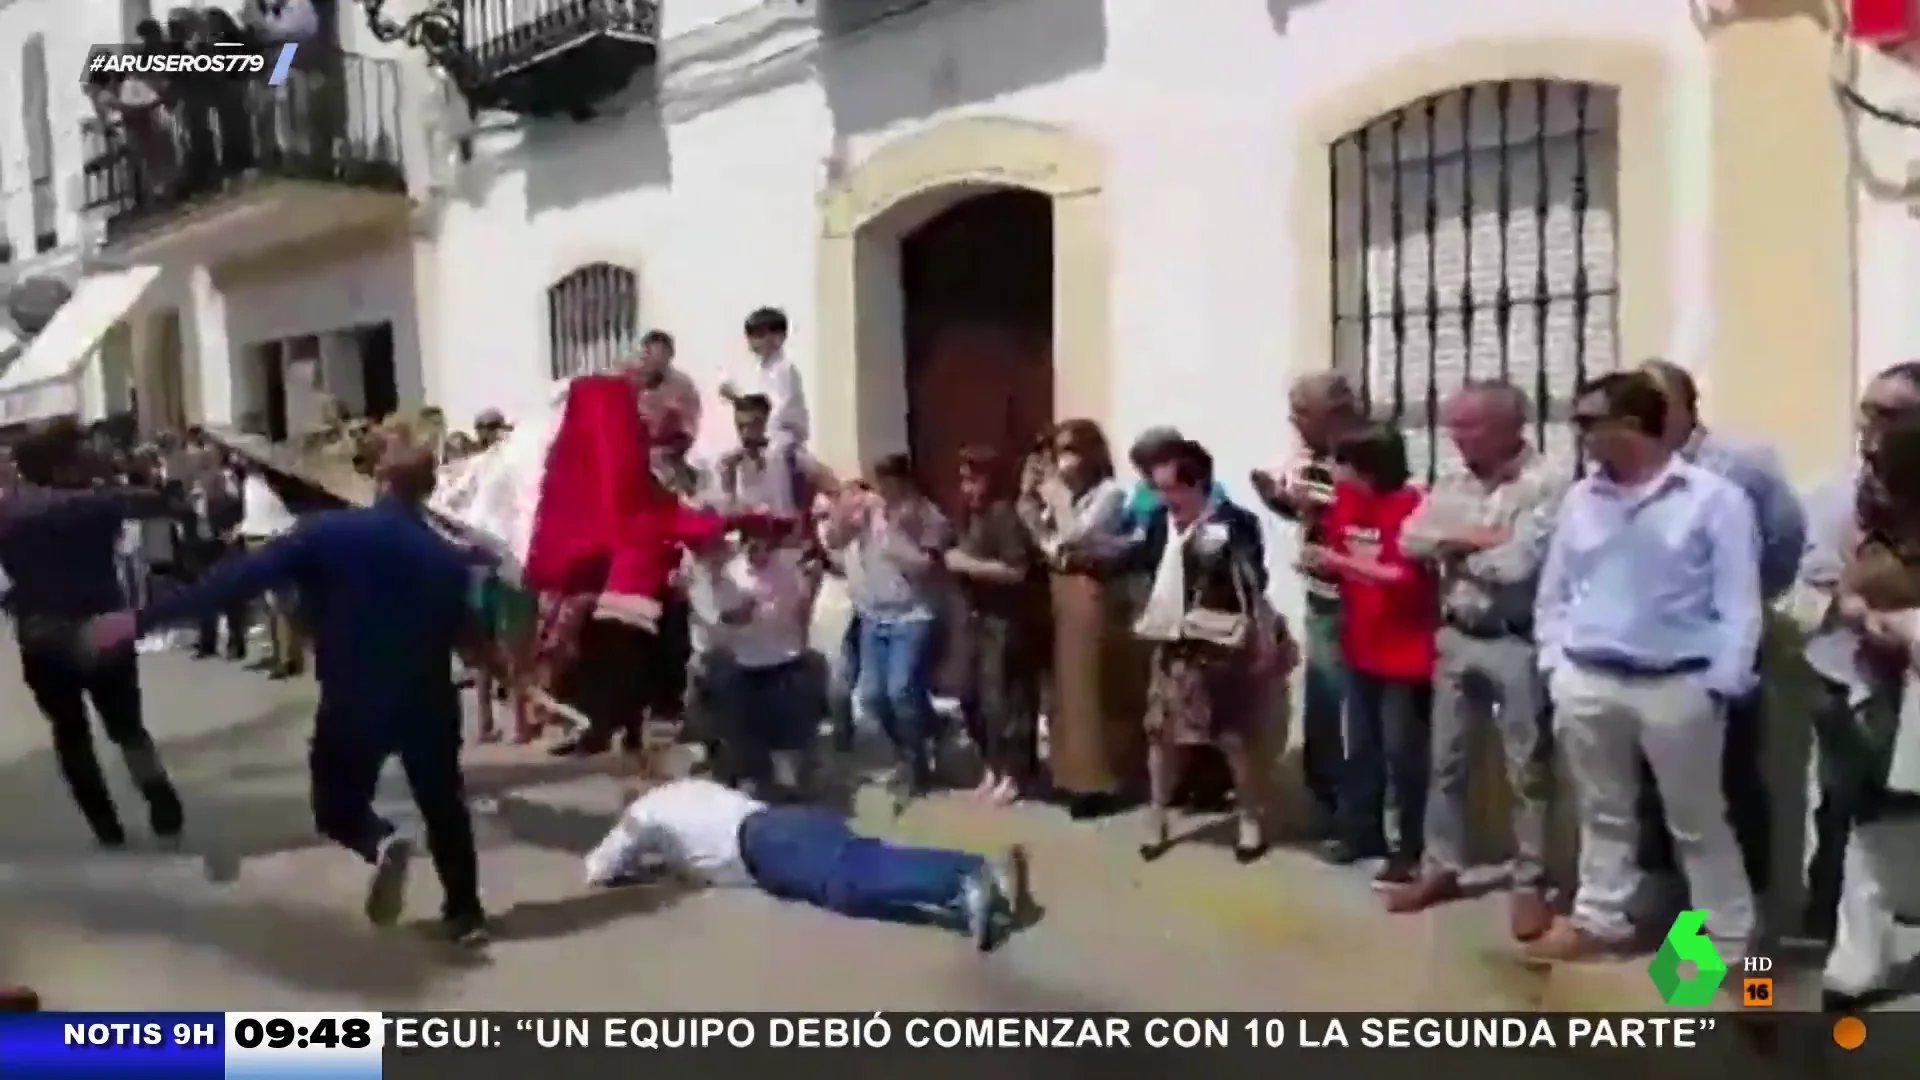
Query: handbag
point(1227, 629)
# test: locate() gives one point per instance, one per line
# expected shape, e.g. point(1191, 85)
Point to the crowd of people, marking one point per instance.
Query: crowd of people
point(181, 135)
point(1607, 615)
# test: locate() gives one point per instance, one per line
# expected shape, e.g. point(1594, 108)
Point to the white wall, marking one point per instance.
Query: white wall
point(68, 28)
point(1197, 114)
point(1886, 158)
point(364, 291)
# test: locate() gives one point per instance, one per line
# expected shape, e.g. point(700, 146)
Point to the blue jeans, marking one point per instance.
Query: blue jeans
point(808, 853)
point(1323, 744)
point(896, 662)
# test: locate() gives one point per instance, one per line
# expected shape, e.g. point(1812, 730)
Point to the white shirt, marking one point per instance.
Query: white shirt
point(776, 631)
point(690, 826)
point(768, 485)
point(776, 379)
point(262, 515)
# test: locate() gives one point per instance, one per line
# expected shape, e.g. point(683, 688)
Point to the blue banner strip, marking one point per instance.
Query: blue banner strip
point(82, 1046)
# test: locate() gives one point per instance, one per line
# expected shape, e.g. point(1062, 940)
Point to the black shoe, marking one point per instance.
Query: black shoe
point(1093, 806)
point(110, 839)
point(1341, 853)
point(1246, 854)
point(1833, 1001)
point(165, 815)
point(467, 931)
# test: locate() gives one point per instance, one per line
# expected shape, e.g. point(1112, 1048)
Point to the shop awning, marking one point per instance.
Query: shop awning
point(44, 381)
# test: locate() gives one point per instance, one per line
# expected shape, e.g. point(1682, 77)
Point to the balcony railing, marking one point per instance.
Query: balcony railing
point(504, 36)
point(336, 119)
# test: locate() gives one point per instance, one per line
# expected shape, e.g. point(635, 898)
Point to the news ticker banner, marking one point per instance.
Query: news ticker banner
point(1006, 1046)
point(269, 64)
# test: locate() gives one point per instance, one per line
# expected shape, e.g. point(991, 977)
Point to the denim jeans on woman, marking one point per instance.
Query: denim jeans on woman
point(894, 687)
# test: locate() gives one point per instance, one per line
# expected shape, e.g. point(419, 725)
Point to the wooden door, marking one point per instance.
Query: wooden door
point(975, 382)
point(978, 284)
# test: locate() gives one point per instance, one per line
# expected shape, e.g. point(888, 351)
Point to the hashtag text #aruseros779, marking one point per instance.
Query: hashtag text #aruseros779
point(134, 60)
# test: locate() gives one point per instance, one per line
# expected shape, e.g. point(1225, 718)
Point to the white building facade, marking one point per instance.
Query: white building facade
point(1220, 199)
point(249, 258)
point(983, 216)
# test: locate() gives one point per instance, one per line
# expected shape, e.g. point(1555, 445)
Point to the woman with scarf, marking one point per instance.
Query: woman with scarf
point(1214, 639)
point(1075, 510)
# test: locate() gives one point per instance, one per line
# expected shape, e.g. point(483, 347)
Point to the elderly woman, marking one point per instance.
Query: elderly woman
point(1071, 503)
point(1212, 635)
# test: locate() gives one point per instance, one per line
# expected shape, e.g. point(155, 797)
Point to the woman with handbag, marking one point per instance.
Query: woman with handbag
point(1392, 611)
point(1214, 638)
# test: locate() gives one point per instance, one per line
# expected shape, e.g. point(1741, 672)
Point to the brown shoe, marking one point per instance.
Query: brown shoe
point(18, 999)
point(1562, 941)
point(1528, 914)
point(1431, 888)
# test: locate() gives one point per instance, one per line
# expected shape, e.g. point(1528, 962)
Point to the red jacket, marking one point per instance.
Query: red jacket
point(1387, 628)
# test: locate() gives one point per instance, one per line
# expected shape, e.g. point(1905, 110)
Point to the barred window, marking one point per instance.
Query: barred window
point(593, 320)
point(1475, 237)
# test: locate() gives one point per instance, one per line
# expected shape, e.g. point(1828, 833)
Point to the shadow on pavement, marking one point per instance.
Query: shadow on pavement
point(245, 788)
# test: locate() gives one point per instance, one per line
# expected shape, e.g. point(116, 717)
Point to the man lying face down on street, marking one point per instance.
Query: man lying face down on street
point(697, 829)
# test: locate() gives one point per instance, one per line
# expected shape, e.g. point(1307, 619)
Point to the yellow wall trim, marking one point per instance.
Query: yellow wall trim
point(862, 217)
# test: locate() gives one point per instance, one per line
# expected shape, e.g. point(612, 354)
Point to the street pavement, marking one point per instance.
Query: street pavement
point(149, 929)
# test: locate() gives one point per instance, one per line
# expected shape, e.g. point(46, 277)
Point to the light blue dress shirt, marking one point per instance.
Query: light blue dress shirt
point(1783, 524)
point(1656, 576)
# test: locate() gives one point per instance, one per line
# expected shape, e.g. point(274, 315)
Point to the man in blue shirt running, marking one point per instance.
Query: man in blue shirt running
point(386, 597)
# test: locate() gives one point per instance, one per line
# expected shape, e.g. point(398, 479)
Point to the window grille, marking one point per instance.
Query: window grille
point(593, 320)
point(1475, 236)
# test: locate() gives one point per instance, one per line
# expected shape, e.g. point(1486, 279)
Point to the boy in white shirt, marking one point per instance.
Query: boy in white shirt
point(752, 605)
point(708, 832)
point(773, 377)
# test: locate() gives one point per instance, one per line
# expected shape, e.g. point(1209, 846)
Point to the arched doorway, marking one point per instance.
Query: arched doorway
point(977, 169)
point(976, 285)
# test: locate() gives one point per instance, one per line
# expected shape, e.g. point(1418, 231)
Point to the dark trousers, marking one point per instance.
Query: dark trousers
point(62, 685)
point(346, 757)
point(808, 853)
point(1323, 715)
point(759, 712)
point(204, 560)
point(1000, 694)
point(1749, 808)
point(1388, 744)
point(1837, 806)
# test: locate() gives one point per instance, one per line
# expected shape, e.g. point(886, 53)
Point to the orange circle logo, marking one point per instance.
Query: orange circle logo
point(1849, 1033)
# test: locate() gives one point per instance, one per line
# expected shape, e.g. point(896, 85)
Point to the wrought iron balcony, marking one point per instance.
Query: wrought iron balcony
point(335, 120)
point(535, 57)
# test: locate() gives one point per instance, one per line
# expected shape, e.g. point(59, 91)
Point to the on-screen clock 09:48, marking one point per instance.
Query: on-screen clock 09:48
point(261, 1032)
